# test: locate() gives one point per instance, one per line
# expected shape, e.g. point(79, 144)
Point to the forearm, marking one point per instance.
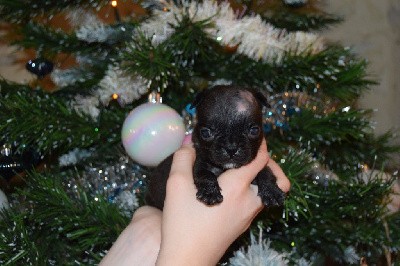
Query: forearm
point(193, 256)
point(139, 243)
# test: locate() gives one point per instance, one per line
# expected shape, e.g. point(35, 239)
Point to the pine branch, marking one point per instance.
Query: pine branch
point(21, 11)
point(296, 164)
point(55, 41)
point(335, 72)
point(301, 22)
point(342, 125)
point(16, 245)
point(346, 157)
point(75, 229)
point(187, 53)
point(338, 220)
point(191, 47)
point(47, 123)
point(342, 139)
point(151, 62)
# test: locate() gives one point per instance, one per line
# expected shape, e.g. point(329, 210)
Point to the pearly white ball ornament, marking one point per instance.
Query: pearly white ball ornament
point(151, 132)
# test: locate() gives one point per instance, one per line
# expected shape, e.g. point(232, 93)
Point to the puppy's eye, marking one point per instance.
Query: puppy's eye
point(206, 133)
point(254, 131)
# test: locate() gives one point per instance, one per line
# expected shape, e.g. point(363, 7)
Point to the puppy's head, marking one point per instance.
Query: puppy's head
point(228, 132)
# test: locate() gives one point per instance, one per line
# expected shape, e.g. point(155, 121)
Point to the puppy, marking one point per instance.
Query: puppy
point(227, 135)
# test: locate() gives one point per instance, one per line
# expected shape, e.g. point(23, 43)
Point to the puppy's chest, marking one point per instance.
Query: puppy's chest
point(217, 171)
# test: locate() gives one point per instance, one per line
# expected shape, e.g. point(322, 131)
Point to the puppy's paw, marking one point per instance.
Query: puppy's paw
point(210, 194)
point(272, 195)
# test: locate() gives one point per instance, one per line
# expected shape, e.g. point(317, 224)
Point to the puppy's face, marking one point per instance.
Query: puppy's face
point(229, 127)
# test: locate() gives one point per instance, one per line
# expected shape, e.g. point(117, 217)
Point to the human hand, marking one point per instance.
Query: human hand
point(196, 234)
point(139, 243)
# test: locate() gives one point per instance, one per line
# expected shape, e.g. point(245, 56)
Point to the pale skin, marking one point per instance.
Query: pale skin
point(188, 232)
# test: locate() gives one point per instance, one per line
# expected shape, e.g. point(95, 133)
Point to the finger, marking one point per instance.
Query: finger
point(281, 179)
point(255, 204)
point(187, 140)
point(144, 212)
point(183, 159)
point(254, 195)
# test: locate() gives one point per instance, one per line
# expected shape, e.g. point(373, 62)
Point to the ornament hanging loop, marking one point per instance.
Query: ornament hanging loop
point(155, 97)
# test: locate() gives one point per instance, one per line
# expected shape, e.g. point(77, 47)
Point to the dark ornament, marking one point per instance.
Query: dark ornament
point(12, 164)
point(9, 166)
point(40, 67)
point(295, 3)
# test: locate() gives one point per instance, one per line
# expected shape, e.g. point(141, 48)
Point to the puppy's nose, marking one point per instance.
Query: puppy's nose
point(231, 151)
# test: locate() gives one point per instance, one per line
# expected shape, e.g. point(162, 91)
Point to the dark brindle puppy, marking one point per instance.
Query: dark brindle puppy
point(227, 135)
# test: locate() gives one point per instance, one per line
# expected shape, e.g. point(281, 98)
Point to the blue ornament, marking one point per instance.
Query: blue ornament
point(282, 125)
point(190, 109)
point(267, 127)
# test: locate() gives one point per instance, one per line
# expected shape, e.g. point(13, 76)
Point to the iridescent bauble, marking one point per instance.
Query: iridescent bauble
point(151, 132)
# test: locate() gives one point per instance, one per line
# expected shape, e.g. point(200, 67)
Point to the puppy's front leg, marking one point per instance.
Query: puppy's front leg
point(206, 181)
point(268, 190)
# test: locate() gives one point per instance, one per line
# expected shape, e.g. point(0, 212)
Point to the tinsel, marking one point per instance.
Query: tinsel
point(81, 17)
point(258, 252)
point(3, 200)
point(253, 37)
point(67, 77)
point(115, 83)
point(94, 33)
point(88, 105)
point(90, 28)
point(74, 156)
point(119, 183)
point(351, 256)
point(128, 88)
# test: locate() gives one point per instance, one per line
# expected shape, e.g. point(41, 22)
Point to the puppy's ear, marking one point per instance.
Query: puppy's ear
point(261, 98)
point(197, 99)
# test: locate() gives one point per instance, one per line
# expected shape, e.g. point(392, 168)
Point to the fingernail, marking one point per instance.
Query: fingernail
point(187, 139)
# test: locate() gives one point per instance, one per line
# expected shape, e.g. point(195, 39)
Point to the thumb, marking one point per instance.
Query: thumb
point(183, 159)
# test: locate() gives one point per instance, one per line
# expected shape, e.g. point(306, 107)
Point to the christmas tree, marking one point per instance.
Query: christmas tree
point(73, 188)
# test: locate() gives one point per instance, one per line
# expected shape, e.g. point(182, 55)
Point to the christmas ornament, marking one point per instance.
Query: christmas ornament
point(151, 132)
point(3, 200)
point(321, 176)
point(9, 166)
point(189, 118)
point(40, 67)
point(12, 164)
point(295, 3)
